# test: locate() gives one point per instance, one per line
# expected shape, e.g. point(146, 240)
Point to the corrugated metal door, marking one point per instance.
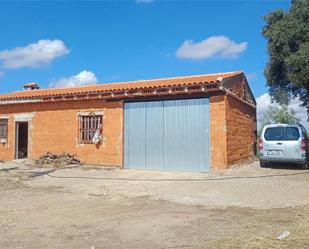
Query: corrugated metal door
point(167, 135)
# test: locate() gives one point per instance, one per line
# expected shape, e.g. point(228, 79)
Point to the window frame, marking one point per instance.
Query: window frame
point(270, 129)
point(88, 125)
point(290, 128)
point(4, 122)
point(284, 137)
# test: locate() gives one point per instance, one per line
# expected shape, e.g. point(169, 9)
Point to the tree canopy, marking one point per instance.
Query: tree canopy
point(287, 70)
point(275, 115)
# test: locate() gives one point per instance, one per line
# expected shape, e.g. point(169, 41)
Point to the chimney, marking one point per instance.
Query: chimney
point(31, 86)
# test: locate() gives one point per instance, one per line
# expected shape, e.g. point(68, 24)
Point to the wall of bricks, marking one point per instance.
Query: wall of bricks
point(6, 150)
point(241, 136)
point(54, 127)
point(232, 128)
point(218, 132)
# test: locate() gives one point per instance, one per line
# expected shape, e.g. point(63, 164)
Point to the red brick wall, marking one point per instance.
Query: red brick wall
point(6, 149)
point(232, 124)
point(240, 121)
point(218, 132)
point(54, 127)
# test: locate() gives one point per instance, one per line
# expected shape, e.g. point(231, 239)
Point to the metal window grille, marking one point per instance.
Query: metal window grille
point(3, 128)
point(88, 126)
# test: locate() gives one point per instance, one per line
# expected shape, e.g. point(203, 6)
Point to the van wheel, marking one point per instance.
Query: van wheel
point(263, 164)
point(305, 165)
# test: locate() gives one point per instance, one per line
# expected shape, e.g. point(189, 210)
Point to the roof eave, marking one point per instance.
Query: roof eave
point(133, 93)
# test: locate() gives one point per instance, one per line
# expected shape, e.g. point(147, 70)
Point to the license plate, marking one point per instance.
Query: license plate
point(273, 153)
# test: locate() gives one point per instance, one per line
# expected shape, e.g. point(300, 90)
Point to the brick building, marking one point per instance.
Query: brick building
point(191, 123)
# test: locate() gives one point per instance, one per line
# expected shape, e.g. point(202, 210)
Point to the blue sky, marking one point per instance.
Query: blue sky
point(129, 40)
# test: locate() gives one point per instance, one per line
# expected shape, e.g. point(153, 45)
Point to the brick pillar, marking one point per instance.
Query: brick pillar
point(218, 136)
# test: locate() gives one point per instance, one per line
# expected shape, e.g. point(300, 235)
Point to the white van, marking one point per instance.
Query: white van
point(284, 143)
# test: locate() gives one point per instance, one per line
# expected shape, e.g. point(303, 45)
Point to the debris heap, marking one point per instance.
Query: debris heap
point(57, 160)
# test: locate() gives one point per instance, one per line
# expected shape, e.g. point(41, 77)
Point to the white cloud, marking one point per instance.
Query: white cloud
point(1, 74)
point(81, 79)
point(34, 54)
point(264, 101)
point(145, 1)
point(214, 46)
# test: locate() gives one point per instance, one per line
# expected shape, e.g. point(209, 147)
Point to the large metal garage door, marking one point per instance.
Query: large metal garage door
point(167, 135)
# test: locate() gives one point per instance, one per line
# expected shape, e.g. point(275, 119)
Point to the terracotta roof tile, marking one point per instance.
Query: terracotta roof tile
point(108, 87)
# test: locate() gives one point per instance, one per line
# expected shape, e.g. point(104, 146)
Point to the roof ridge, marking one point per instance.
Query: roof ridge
point(159, 82)
point(180, 77)
point(141, 80)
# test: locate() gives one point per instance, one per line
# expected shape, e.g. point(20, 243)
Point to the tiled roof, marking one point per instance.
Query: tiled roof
point(121, 86)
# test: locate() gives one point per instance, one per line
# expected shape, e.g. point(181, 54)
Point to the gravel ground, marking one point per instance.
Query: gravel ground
point(91, 207)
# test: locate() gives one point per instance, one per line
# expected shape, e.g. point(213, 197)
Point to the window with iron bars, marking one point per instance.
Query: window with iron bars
point(89, 125)
point(3, 128)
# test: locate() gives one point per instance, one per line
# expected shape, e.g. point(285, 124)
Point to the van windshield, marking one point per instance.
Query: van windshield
point(282, 134)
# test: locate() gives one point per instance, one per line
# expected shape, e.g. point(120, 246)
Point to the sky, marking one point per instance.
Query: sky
point(66, 43)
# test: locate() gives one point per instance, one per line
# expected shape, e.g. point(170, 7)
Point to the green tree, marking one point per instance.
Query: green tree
point(275, 114)
point(287, 71)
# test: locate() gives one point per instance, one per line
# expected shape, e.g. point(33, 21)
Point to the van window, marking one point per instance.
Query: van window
point(274, 134)
point(282, 134)
point(292, 133)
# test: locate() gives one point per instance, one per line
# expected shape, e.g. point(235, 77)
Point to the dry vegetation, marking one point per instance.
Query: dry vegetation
point(94, 208)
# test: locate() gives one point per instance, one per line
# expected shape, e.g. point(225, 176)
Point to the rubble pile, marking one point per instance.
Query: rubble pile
point(57, 160)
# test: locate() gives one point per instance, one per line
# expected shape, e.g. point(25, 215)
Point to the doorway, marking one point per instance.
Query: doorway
point(21, 150)
point(170, 135)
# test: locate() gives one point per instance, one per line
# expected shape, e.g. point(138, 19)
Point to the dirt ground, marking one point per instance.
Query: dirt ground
point(91, 207)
